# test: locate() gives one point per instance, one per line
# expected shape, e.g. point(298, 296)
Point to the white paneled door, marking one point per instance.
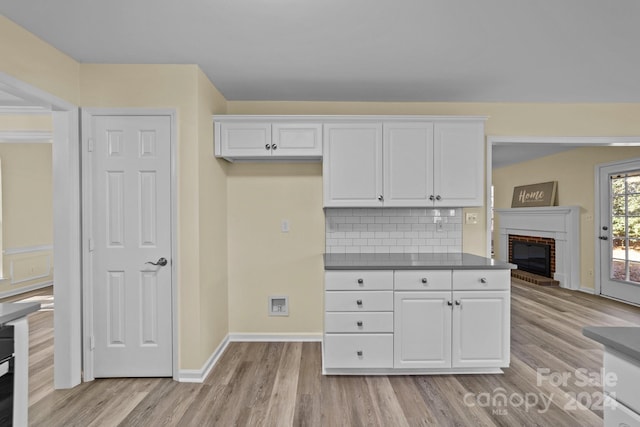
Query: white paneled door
point(130, 245)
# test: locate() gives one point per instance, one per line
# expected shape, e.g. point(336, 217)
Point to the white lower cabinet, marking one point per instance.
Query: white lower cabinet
point(434, 321)
point(422, 330)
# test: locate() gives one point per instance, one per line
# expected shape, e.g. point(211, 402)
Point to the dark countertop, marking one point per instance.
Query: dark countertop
point(435, 261)
point(14, 310)
point(624, 339)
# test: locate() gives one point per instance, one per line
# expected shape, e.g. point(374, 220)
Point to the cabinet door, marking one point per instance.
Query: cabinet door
point(297, 140)
point(408, 164)
point(459, 164)
point(245, 139)
point(481, 329)
point(422, 330)
point(352, 165)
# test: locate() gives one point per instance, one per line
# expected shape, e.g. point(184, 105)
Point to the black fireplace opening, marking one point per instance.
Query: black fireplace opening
point(532, 257)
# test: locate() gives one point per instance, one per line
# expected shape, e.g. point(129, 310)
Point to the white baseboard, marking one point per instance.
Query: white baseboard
point(587, 290)
point(281, 337)
point(199, 375)
point(25, 289)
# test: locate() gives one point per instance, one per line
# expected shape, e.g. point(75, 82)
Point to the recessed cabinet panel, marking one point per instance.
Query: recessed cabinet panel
point(408, 164)
point(246, 139)
point(481, 329)
point(422, 330)
point(297, 139)
point(459, 163)
point(352, 165)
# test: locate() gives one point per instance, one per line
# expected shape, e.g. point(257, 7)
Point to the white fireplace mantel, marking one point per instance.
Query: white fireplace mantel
point(560, 223)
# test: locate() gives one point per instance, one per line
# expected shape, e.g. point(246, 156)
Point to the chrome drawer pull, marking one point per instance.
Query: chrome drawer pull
point(359, 323)
point(483, 280)
point(424, 280)
point(359, 302)
point(360, 281)
point(359, 353)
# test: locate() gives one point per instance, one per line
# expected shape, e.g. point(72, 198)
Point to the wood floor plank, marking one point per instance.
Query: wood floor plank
point(281, 384)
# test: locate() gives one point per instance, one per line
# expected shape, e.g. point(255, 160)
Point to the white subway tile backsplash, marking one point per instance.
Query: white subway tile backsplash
point(397, 230)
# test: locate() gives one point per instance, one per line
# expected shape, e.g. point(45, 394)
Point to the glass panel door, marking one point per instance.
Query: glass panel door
point(619, 234)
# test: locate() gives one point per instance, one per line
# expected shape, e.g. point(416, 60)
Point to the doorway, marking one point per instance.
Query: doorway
point(618, 195)
point(66, 224)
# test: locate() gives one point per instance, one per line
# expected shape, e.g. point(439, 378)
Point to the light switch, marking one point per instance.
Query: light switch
point(284, 226)
point(471, 218)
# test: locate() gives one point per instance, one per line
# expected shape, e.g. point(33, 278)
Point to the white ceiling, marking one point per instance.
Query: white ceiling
point(363, 50)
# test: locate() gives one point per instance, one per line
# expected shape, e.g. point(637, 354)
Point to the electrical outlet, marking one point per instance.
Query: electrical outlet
point(284, 226)
point(471, 218)
point(439, 224)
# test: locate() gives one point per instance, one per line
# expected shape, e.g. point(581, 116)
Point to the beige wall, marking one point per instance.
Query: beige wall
point(574, 170)
point(27, 215)
point(264, 262)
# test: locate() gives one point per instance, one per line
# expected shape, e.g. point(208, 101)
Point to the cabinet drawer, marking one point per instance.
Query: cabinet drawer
point(358, 280)
point(358, 351)
point(625, 387)
point(477, 280)
point(358, 322)
point(359, 301)
point(424, 280)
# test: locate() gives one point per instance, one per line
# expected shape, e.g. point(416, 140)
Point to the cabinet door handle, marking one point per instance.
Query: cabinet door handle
point(267, 146)
point(438, 197)
point(274, 147)
point(359, 302)
point(450, 303)
point(380, 197)
point(359, 323)
point(431, 198)
point(359, 353)
point(458, 302)
point(483, 280)
point(360, 281)
point(424, 280)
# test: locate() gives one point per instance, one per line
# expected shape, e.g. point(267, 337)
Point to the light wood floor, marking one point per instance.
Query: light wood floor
point(280, 384)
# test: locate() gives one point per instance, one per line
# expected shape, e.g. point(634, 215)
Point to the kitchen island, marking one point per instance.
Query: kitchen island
point(622, 372)
point(14, 330)
point(404, 314)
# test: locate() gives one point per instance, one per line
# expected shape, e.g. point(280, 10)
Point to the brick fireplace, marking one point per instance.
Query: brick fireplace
point(540, 271)
point(556, 225)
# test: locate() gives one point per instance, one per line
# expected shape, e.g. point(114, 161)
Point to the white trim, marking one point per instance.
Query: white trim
point(30, 278)
point(24, 110)
point(26, 137)
point(25, 289)
point(87, 321)
point(586, 290)
point(340, 118)
point(277, 337)
point(66, 224)
point(199, 375)
point(28, 249)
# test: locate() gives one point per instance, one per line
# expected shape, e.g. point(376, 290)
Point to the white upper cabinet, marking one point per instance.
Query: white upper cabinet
point(267, 139)
point(425, 163)
point(352, 164)
point(458, 167)
point(408, 164)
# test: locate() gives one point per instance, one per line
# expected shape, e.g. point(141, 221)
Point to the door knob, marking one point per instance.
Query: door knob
point(267, 147)
point(161, 262)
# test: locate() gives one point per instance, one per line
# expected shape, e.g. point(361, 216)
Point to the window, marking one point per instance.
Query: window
point(625, 226)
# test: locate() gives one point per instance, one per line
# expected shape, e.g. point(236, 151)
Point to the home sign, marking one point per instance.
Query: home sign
point(533, 195)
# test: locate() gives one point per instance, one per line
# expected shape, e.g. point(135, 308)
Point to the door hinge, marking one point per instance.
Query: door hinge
point(92, 343)
point(90, 244)
point(90, 144)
